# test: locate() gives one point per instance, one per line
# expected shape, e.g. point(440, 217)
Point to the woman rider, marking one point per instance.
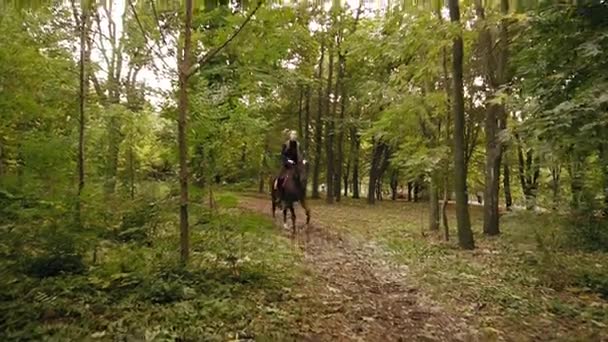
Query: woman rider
point(291, 155)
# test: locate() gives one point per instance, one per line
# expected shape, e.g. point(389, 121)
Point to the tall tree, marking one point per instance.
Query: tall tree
point(329, 127)
point(354, 135)
point(465, 235)
point(495, 66)
point(82, 22)
point(318, 125)
point(184, 64)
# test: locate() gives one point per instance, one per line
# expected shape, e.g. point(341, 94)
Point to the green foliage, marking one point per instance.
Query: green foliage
point(239, 279)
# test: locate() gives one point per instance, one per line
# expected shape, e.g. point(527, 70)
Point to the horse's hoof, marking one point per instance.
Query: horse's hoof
point(285, 226)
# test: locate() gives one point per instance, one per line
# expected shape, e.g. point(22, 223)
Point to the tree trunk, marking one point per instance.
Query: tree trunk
point(373, 171)
point(576, 181)
point(356, 181)
point(306, 131)
point(263, 168)
point(261, 183)
point(347, 169)
point(329, 132)
point(507, 184)
point(529, 172)
point(555, 177)
point(1, 159)
point(444, 210)
point(318, 128)
point(300, 110)
point(131, 172)
point(184, 61)
point(492, 173)
point(495, 122)
point(394, 184)
point(433, 205)
point(465, 235)
point(82, 97)
point(603, 152)
point(114, 141)
point(340, 126)
point(410, 189)
point(446, 181)
point(383, 165)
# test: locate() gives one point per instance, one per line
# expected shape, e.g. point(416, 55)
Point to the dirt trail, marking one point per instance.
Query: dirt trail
point(364, 297)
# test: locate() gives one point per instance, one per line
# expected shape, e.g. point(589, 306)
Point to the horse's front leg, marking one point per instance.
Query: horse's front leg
point(307, 210)
point(285, 217)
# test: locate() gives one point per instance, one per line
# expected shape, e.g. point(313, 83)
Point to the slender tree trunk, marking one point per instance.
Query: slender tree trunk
point(261, 184)
point(347, 169)
point(306, 131)
point(507, 184)
point(410, 189)
point(329, 132)
point(385, 156)
point(184, 64)
point(356, 181)
point(603, 152)
point(114, 141)
point(576, 181)
point(394, 184)
point(373, 172)
point(131, 172)
point(529, 172)
point(433, 204)
point(492, 174)
point(341, 126)
point(1, 159)
point(318, 128)
point(82, 96)
point(555, 177)
point(465, 235)
point(444, 210)
point(300, 110)
point(495, 122)
point(263, 167)
point(448, 123)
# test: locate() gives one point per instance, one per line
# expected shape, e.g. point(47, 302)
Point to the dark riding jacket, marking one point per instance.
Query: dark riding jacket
point(291, 151)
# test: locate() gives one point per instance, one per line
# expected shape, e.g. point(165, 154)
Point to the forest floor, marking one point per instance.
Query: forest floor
point(358, 273)
point(362, 295)
point(378, 274)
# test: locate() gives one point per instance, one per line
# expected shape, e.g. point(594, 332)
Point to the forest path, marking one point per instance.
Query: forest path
point(362, 295)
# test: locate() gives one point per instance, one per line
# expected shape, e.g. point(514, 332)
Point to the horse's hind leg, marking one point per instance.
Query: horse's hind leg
point(307, 210)
point(293, 220)
point(284, 216)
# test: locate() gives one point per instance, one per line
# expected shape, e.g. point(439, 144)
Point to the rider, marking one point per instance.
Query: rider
point(291, 155)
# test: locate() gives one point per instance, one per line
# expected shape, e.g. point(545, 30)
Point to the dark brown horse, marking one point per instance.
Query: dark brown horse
point(289, 192)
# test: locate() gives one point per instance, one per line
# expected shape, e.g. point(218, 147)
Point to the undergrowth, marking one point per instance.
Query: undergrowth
point(120, 278)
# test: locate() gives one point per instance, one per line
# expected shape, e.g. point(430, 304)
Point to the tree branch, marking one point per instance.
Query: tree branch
point(160, 31)
point(200, 62)
point(143, 32)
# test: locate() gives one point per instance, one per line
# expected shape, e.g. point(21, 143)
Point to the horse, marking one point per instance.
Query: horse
point(292, 193)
